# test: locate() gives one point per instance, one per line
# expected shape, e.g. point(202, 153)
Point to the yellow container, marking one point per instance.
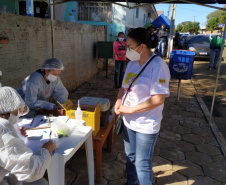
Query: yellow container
point(91, 114)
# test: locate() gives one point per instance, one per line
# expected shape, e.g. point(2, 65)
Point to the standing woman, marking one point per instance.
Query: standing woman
point(143, 105)
point(120, 59)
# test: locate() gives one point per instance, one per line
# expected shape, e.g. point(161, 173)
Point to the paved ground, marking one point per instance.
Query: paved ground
point(204, 82)
point(186, 153)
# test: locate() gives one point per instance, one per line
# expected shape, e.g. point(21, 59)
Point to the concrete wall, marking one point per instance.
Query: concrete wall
point(30, 44)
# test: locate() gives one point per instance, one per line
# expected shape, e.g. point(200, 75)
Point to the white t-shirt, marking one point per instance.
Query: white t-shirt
point(153, 80)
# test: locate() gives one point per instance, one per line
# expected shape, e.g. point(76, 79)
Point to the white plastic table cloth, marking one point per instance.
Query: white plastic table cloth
point(65, 149)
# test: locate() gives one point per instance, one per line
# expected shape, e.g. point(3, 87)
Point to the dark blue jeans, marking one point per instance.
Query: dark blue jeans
point(214, 57)
point(139, 149)
point(120, 66)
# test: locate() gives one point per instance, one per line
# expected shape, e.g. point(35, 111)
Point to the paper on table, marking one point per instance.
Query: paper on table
point(34, 134)
point(38, 121)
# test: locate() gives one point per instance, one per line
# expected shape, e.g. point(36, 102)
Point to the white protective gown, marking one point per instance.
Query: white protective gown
point(34, 90)
point(17, 159)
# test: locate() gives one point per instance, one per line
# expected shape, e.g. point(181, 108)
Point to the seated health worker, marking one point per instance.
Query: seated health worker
point(18, 164)
point(43, 83)
point(143, 105)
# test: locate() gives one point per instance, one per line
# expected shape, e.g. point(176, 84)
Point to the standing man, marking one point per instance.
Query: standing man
point(215, 48)
point(162, 41)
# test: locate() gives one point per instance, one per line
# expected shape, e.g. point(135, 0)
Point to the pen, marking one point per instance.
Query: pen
point(50, 134)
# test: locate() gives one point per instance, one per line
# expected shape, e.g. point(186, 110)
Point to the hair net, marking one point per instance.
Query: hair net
point(10, 100)
point(53, 64)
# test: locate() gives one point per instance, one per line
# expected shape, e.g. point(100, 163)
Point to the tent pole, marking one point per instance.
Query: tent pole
point(218, 72)
point(52, 30)
point(170, 42)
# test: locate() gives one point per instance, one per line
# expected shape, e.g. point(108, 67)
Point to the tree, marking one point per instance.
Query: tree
point(215, 18)
point(179, 28)
point(212, 24)
point(188, 26)
point(222, 18)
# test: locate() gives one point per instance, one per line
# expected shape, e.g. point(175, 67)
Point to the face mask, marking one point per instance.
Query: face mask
point(51, 77)
point(120, 39)
point(13, 119)
point(132, 54)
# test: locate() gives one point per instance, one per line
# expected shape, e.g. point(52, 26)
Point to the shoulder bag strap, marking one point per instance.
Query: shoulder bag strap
point(138, 76)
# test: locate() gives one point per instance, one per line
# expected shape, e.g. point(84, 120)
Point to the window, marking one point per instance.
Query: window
point(137, 12)
point(94, 11)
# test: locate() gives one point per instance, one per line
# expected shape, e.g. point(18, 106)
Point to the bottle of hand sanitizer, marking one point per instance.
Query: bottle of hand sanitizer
point(78, 116)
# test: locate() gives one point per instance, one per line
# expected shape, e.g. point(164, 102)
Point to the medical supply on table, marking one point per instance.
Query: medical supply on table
point(59, 126)
point(50, 133)
point(78, 116)
point(91, 114)
point(105, 107)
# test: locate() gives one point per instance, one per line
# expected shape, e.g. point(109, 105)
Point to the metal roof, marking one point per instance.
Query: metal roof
point(139, 3)
point(154, 1)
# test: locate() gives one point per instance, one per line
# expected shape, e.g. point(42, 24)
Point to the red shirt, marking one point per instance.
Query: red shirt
point(120, 49)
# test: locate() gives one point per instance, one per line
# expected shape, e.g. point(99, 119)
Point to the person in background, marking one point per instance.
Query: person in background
point(153, 31)
point(43, 83)
point(176, 41)
point(120, 59)
point(162, 42)
point(16, 159)
point(215, 48)
point(143, 106)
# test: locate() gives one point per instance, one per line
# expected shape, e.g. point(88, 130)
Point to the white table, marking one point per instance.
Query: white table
point(65, 149)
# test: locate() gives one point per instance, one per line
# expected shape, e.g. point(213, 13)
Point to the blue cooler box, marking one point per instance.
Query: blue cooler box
point(181, 64)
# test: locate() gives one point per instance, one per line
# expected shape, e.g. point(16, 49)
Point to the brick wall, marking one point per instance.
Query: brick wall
point(30, 44)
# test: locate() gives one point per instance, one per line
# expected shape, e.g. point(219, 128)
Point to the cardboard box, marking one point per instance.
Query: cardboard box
point(91, 114)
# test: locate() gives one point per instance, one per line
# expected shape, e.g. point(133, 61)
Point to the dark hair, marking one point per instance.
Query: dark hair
point(120, 33)
point(143, 36)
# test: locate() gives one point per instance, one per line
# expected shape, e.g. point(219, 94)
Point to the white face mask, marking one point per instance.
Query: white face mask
point(121, 39)
point(14, 119)
point(132, 54)
point(51, 77)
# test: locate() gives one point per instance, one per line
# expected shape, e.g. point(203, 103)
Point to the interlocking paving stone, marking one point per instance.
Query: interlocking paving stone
point(202, 180)
point(211, 141)
point(198, 158)
point(171, 177)
point(172, 155)
point(187, 168)
point(118, 182)
point(202, 131)
point(192, 109)
point(181, 129)
point(163, 143)
point(215, 171)
point(208, 149)
point(189, 123)
point(177, 117)
point(194, 139)
point(161, 164)
point(170, 136)
point(183, 146)
point(121, 157)
point(113, 170)
point(219, 159)
point(187, 114)
point(204, 125)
